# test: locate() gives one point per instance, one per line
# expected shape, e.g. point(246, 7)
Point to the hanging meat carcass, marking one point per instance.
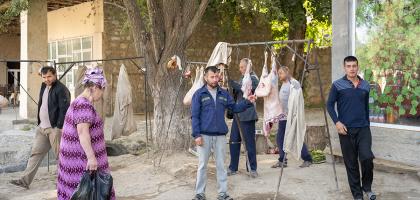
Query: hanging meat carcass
point(272, 107)
point(198, 83)
point(246, 81)
point(264, 86)
point(174, 62)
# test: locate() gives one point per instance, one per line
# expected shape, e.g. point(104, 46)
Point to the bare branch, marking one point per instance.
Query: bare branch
point(115, 4)
point(140, 36)
point(197, 17)
point(157, 26)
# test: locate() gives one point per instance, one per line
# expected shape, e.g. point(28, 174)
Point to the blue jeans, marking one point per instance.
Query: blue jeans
point(305, 155)
point(218, 144)
point(248, 128)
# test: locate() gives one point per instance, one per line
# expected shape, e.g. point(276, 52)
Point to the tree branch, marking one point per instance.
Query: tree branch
point(140, 35)
point(157, 26)
point(115, 4)
point(197, 17)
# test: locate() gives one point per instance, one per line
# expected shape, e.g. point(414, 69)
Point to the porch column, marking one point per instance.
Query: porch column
point(34, 46)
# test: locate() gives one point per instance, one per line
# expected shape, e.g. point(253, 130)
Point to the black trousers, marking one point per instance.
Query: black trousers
point(357, 146)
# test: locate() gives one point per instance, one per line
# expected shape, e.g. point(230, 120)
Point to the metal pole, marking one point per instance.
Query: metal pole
point(266, 43)
point(305, 63)
point(23, 88)
point(172, 113)
point(19, 61)
point(281, 175)
point(145, 104)
point(236, 118)
point(327, 127)
point(67, 70)
point(100, 60)
point(146, 112)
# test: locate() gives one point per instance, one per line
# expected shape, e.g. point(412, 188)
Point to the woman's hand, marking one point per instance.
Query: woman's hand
point(92, 164)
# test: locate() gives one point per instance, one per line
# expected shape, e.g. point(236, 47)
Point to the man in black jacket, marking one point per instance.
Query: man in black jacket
point(54, 100)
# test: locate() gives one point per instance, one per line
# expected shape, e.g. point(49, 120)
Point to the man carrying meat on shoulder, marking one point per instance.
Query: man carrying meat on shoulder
point(209, 129)
point(248, 119)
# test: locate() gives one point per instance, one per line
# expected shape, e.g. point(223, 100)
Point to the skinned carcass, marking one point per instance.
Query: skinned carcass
point(246, 81)
point(264, 86)
point(273, 111)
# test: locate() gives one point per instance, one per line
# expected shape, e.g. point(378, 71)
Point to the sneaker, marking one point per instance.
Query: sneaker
point(224, 196)
point(254, 174)
point(19, 183)
point(199, 197)
point(371, 195)
point(231, 173)
point(278, 164)
point(305, 164)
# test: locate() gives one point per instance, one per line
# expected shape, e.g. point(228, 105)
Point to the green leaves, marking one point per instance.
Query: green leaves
point(413, 111)
point(387, 89)
point(399, 100)
point(405, 91)
point(413, 82)
point(409, 19)
point(401, 111)
point(416, 91)
point(414, 103)
point(387, 45)
point(373, 94)
point(12, 13)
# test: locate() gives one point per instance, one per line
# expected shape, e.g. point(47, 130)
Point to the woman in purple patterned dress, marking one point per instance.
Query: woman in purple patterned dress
point(82, 142)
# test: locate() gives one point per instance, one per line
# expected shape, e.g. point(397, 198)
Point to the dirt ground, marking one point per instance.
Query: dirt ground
point(135, 178)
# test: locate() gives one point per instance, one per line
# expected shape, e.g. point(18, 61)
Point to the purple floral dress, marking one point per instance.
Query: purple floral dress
point(72, 157)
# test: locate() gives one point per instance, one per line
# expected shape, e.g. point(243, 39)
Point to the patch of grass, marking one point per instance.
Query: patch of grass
point(318, 156)
point(27, 127)
point(272, 138)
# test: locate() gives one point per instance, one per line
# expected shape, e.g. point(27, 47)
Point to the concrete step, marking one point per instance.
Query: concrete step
point(15, 149)
point(380, 164)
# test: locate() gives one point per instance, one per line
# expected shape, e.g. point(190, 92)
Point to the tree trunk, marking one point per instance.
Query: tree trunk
point(297, 33)
point(171, 25)
point(296, 16)
point(168, 90)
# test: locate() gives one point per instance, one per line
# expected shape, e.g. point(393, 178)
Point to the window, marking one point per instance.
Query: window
point(77, 49)
point(387, 48)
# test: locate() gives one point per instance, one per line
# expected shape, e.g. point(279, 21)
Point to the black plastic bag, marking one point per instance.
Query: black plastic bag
point(94, 186)
point(103, 186)
point(229, 114)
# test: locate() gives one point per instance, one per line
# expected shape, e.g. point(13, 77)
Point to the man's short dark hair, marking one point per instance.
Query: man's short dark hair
point(350, 59)
point(214, 69)
point(46, 69)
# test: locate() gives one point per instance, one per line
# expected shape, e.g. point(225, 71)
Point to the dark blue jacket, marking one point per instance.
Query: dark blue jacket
point(352, 103)
point(208, 117)
point(249, 114)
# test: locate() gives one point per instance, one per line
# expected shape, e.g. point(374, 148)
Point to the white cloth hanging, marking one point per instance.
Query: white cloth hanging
point(198, 83)
point(3, 102)
point(295, 126)
point(123, 120)
point(221, 54)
